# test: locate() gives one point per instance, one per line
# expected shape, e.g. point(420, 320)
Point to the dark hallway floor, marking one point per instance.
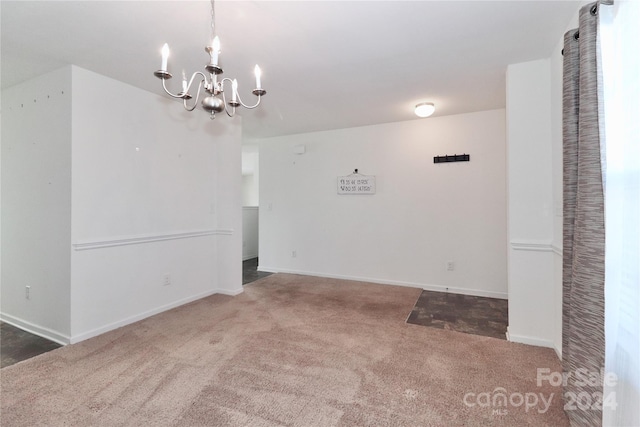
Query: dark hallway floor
point(463, 313)
point(250, 271)
point(17, 345)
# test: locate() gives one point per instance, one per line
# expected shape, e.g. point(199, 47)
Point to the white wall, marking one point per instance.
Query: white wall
point(153, 195)
point(423, 214)
point(531, 207)
point(250, 175)
point(36, 210)
point(144, 168)
point(250, 232)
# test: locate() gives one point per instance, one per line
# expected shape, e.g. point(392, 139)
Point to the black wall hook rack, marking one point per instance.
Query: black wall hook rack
point(453, 158)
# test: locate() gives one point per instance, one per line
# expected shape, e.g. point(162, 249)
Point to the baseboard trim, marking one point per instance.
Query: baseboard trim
point(149, 238)
point(232, 293)
point(425, 286)
point(251, 256)
point(558, 351)
point(141, 316)
point(34, 329)
point(522, 339)
point(466, 291)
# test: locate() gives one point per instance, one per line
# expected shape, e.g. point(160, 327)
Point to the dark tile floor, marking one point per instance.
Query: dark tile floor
point(462, 313)
point(17, 345)
point(250, 271)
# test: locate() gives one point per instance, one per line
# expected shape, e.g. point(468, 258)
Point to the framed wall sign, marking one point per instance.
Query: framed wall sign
point(357, 184)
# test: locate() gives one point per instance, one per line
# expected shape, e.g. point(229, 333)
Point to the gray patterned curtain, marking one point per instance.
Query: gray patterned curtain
point(583, 343)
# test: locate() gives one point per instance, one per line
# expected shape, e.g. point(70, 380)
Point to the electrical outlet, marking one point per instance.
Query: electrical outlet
point(450, 266)
point(294, 254)
point(27, 292)
point(167, 280)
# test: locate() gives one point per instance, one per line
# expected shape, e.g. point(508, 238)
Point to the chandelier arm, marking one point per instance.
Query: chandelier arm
point(164, 86)
point(238, 96)
point(224, 99)
point(181, 95)
point(186, 107)
point(226, 107)
point(233, 113)
point(250, 107)
point(200, 84)
point(195, 102)
point(197, 73)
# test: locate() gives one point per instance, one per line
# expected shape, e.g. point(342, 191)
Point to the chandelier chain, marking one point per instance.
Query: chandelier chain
point(213, 20)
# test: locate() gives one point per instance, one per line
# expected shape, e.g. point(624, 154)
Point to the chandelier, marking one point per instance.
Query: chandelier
point(215, 100)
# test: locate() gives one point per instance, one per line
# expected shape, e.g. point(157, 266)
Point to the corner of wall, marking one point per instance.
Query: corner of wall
point(36, 196)
point(531, 204)
point(229, 210)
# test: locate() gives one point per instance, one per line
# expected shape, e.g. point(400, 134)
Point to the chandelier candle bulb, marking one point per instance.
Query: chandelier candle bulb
point(165, 57)
point(216, 50)
point(258, 74)
point(184, 82)
point(234, 90)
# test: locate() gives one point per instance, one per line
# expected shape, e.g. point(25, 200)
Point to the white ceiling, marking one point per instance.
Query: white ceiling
point(326, 64)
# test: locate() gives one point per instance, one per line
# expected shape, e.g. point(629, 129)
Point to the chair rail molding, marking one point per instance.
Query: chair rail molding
point(556, 249)
point(148, 238)
point(532, 246)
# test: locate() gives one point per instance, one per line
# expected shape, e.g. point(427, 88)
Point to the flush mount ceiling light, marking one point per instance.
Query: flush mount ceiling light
point(425, 109)
point(214, 88)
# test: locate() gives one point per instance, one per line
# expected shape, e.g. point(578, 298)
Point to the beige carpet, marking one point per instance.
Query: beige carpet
point(291, 350)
